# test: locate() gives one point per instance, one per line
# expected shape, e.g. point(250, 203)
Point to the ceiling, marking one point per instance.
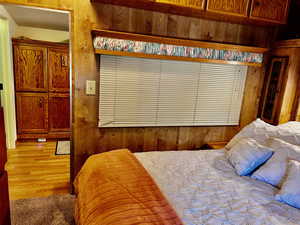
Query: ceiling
point(37, 17)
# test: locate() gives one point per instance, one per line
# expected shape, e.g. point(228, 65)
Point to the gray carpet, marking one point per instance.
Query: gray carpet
point(53, 210)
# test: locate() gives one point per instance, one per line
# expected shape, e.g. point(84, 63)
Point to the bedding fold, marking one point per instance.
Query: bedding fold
point(113, 188)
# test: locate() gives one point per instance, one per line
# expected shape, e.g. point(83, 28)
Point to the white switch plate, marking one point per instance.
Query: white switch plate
point(90, 87)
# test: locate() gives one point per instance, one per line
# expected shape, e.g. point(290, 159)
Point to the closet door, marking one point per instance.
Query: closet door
point(58, 67)
point(59, 112)
point(32, 112)
point(30, 64)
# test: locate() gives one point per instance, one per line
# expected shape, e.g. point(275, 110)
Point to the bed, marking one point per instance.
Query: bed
point(203, 188)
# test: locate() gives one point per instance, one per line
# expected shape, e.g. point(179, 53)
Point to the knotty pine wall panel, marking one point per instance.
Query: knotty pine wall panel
point(87, 137)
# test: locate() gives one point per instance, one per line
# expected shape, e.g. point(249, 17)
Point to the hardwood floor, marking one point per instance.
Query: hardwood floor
point(35, 171)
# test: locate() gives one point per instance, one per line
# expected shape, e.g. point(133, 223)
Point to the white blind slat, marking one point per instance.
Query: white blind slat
point(146, 92)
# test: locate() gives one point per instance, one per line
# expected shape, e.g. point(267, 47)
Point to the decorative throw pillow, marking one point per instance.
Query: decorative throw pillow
point(290, 191)
point(247, 155)
point(273, 171)
point(258, 130)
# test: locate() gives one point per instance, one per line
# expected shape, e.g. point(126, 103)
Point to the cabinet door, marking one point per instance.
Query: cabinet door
point(30, 64)
point(273, 95)
point(32, 112)
point(58, 67)
point(59, 112)
point(4, 200)
point(274, 10)
point(230, 7)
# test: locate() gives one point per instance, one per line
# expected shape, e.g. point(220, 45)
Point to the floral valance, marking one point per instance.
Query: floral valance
point(112, 44)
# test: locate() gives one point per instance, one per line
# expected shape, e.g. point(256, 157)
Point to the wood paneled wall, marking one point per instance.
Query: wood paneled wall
point(87, 137)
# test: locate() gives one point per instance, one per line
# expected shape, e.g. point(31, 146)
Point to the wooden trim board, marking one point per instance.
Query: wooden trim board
point(174, 41)
point(179, 58)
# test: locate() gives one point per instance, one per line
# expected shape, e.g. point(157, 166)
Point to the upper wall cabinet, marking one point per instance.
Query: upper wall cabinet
point(273, 11)
point(234, 7)
point(262, 12)
point(30, 64)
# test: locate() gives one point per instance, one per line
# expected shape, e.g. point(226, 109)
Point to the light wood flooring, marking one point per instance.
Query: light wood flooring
point(35, 171)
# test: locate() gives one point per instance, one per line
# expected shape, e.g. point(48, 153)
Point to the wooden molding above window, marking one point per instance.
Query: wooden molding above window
point(156, 47)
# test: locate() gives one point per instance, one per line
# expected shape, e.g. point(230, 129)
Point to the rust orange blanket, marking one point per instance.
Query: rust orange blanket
point(113, 188)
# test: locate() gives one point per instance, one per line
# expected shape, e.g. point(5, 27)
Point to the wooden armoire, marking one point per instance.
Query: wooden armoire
point(42, 84)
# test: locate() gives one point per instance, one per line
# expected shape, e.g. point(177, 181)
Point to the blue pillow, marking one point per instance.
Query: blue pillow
point(247, 155)
point(290, 191)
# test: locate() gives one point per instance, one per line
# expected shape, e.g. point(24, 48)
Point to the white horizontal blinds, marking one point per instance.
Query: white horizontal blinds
point(137, 83)
point(107, 90)
point(178, 92)
point(219, 97)
point(145, 92)
point(237, 95)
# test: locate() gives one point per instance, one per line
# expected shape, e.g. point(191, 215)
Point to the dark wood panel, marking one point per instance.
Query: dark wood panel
point(32, 112)
point(4, 200)
point(233, 7)
point(30, 68)
point(59, 112)
point(275, 10)
point(58, 70)
point(3, 153)
point(233, 11)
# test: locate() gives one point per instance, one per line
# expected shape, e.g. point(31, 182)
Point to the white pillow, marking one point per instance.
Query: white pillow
point(273, 171)
point(247, 155)
point(290, 191)
point(258, 130)
point(261, 131)
point(290, 125)
point(288, 133)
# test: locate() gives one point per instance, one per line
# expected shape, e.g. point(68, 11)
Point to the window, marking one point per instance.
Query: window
point(136, 92)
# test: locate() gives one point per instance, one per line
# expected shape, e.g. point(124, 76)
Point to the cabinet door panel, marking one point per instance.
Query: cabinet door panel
point(273, 97)
point(274, 11)
point(59, 112)
point(30, 64)
point(32, 112)
point(231, 7)
point(58, 67)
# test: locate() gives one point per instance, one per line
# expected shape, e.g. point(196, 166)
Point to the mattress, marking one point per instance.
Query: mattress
point(203, 189)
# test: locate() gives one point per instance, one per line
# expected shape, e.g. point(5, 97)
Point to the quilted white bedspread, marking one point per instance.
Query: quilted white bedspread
point(204, 190)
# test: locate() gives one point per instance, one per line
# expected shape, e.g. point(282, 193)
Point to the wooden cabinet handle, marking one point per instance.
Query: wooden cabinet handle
point(41, 103)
